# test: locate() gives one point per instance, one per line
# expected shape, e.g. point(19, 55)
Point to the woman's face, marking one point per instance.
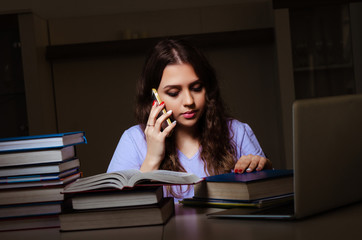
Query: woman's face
point(183, 93)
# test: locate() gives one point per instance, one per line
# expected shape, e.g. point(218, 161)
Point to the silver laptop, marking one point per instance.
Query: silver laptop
point(327, 149)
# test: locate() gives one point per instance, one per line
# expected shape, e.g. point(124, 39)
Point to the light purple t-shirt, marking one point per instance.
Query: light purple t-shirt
point(132, 148)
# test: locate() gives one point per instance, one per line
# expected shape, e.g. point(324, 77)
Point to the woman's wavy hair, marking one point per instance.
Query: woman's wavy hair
point(218, 151)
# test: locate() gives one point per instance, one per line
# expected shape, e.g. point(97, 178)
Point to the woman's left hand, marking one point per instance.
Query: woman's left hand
point(249, 163)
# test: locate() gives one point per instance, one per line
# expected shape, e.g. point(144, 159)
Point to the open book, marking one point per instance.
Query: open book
point(131, 178)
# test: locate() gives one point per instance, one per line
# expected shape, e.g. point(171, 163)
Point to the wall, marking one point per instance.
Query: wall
point(160, 23)
point(97, 94)
point(89, 92)
point(80, 8)
point(356, 28)
point(37, 74)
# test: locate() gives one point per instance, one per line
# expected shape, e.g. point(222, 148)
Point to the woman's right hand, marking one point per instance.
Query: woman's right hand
point(156, 137)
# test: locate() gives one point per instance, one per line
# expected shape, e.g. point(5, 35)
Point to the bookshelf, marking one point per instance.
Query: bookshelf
point(322, 52)
point(26, 88)
point(312, 61)
point(12, 88)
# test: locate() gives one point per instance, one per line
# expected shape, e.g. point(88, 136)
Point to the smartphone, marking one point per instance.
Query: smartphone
point(156, 97)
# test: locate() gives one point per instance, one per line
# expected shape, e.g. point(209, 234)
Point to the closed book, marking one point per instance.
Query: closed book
point(38, 142)
point(118, 217)
point(246, 186)
point(117, 198)
point(32, 209)
point(225, 203)
point(31, 195)
point(153, 232)
point(40, 182)
point(34, 157)
point(28, 223)
point(38, 177)
point(43, 168)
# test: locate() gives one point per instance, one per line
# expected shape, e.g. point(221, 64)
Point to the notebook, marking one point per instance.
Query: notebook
point(327, 159)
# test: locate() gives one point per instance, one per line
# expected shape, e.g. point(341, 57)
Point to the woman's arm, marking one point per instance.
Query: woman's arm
point(249, 152)
point(130, 151)
point(156, 138)
point(252, 162)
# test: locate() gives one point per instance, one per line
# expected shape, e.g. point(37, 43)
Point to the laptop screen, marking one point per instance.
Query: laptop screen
point(327, 135)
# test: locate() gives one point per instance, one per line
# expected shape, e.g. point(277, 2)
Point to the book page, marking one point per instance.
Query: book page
point(165, 176)
point(129, 173)
point(104, 180)
point(129, 178)
point(101, 185)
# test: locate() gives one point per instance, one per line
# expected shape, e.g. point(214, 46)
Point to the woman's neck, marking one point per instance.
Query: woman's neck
point(187, 141)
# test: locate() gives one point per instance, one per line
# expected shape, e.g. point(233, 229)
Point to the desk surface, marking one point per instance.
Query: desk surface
point(192, 223)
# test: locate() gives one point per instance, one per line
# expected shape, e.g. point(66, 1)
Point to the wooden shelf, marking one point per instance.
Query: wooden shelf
point(324, 68)
point(121, 47)
point(302, 3)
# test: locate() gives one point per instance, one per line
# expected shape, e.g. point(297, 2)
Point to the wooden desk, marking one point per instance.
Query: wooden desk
point(192, 223)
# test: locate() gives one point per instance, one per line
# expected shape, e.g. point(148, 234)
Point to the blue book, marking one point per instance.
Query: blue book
point(225, 203)
point(40, 142)
point(251, 177)
point(39, 183)
point(247, 186)
point(38, 177)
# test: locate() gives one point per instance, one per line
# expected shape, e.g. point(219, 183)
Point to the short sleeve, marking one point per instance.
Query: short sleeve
point(245, 140)
point(130, 151)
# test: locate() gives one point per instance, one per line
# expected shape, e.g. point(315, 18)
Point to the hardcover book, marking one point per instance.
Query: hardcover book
point(246, 186)
point(30, 209)
point(27, 223)
point(36, 157)
point(118, 217)
point(31, 195)
point(38, 142)
point(225, 203)
point(38, 177)
point(26, 183)
point(43, 168)
point(117, 198)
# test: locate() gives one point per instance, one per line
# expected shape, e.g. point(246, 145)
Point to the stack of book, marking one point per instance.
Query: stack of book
point(256, 189)
point(33, 172)
point(121, 199)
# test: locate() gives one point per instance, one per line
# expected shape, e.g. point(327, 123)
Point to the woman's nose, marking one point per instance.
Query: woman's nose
point(188, 98)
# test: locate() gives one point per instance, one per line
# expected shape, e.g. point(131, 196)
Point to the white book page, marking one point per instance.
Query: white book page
point(116, 179)
point(166, 177)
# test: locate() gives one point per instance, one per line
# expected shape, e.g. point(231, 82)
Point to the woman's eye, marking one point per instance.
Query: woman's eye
point(172, 94)
point(197, 88)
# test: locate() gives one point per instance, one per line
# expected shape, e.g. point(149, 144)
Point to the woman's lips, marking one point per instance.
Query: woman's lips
point(189, 114)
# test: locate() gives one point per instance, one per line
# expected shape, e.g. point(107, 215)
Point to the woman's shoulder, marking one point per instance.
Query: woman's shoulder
point(135, 131)
point(135, 128)
point(239, 129)
point(235, 124)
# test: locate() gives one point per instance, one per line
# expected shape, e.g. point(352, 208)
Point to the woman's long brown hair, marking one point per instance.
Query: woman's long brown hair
point(217, 149)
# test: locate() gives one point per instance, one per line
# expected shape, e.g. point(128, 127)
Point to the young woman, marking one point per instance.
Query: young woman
point(202, 139)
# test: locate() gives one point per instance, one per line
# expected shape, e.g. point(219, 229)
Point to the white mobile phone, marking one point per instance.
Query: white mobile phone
point(156, 97)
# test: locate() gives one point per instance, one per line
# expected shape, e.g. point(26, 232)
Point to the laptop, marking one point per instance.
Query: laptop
point(327, 159)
